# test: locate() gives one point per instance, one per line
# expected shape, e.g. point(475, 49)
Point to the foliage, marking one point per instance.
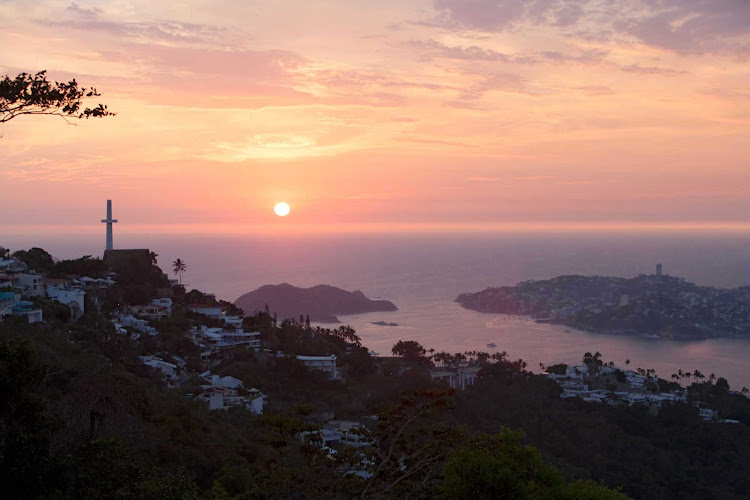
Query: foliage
point(28, 94)
point(179, 267)
point(409, 349)
point(36, 258)
point(500, 467)
point(83, 266)
point(558, 369)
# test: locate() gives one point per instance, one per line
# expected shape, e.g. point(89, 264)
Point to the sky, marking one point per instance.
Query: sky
point(395, 115)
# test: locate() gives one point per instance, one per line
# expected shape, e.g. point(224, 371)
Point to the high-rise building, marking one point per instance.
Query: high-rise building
point(658, 269)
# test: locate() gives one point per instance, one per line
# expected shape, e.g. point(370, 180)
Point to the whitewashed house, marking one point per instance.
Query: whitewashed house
point(457, 378)
point(26, 309)
point(151, 311)
point(254, 401)
point(64, 292)
point(210, 311)
point(137, 324)
point(12, 266)
point(169, 370)
point(326, 364)
point(220, 338)
point(31, 284)
point(165, 302)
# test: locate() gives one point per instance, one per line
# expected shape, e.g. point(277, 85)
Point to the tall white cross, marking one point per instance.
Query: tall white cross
point(109, 221)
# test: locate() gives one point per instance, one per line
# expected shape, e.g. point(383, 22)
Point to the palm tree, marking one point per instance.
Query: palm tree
point(179, 267)
point(153, 256)
point(711, 378)
point(627, 362)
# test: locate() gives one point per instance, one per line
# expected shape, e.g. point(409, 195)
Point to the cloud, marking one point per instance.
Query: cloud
point(78, 18)
point(594, 90)
point(433, 48)
point(417, 140)
point(698, 26)
point(83, 12)
point(651, 70)
point(691, 25)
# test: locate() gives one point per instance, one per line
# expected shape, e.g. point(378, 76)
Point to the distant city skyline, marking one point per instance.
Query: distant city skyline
point(431, 115)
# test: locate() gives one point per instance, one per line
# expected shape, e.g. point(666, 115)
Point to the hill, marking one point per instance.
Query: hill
point(322, 302)
point(666, 306)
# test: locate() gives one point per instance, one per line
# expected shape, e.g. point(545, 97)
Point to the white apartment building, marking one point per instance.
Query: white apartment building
point(326, 364)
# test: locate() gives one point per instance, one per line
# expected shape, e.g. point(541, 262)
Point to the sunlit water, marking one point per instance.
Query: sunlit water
point(422, 275)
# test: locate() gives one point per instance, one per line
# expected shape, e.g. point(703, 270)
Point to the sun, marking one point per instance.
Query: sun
point(281, 209)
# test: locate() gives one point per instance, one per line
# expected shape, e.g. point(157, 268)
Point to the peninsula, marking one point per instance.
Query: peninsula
point(661, 305)
point(321, 303)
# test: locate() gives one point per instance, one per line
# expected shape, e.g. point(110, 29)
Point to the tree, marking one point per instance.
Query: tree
point(500, 466)
point(27, 422)
point(4, 253)
point(409, 349)
point(179, 267)
point(36, 258)
point(593, 361)
point(153, 256)
point(29, 94)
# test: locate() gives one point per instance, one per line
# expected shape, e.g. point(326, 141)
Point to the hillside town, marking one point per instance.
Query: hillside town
point(656, 304)
point(198, 347)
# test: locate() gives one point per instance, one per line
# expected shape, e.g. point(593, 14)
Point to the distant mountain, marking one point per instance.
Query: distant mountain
point(664, 306)
point(322, 302)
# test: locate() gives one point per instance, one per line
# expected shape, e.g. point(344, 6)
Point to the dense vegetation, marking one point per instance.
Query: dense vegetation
point(82, 417)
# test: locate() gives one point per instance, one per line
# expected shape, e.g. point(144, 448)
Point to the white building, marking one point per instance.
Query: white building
point(151, 311)
point(12, 266)
point(217, 381)
point(137, 324)
point(254, 401)
point(8, 281)
point(221, 393)
point(169, 370)
point(26, 309)
point(210, 311)
point(31, 284)
point(164, 302)
point(65, 293)
point(326, 364)
point(95, 283)
point(7, 301)
point(235, 321)
point(459, 378)
point(221, 338)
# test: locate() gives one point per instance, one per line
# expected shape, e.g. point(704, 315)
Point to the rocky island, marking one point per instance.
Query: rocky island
point(321, 303)
point(661, 305)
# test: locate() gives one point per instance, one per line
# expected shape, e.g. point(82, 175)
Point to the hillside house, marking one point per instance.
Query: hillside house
point(169, 370)
point(326, 364)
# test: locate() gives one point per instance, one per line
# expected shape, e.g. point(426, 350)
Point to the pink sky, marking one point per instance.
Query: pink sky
point(406, 115)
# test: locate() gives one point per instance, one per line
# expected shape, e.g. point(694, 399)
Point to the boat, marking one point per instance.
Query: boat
point(491, 345)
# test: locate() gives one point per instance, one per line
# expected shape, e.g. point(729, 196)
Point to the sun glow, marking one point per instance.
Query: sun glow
point(281, 209)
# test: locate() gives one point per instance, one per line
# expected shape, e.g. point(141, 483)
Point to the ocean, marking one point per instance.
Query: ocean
point(422, 275)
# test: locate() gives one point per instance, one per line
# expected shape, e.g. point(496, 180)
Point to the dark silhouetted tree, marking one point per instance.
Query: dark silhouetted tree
point(179, 267)
point(28, 94)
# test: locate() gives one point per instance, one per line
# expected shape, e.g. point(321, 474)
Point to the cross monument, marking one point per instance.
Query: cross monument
point(109, 221)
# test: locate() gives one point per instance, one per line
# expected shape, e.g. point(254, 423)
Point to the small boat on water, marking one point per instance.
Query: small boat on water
point(491, 345)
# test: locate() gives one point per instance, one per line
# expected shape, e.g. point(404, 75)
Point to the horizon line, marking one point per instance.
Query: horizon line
point(285, 228)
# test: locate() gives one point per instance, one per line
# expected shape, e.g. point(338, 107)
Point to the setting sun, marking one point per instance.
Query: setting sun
point(281, 209)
